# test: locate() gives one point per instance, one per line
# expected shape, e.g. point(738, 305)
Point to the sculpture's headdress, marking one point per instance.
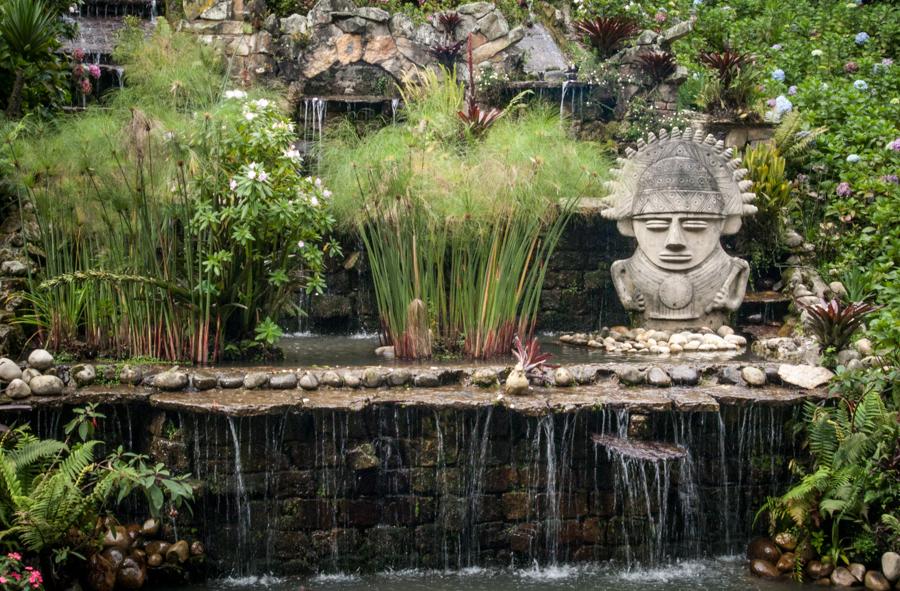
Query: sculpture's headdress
point(681, 172)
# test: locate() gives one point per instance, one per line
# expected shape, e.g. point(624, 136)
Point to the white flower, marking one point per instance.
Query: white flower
point(251, 174)
point(233, 184)
point(817, 53)
point(292, 154)
point(301, 244)
point(313, 201)
point(263, 177)
point(318, 182)
point(235, 94)
point(249, 116)
point(326, 193)
point(262, 103)
point(853, 158)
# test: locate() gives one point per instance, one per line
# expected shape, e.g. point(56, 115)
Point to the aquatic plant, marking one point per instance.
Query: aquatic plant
point(466, 227)
point(607, 34)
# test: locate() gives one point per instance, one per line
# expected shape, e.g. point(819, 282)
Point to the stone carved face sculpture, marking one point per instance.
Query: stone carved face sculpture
point(677, 194)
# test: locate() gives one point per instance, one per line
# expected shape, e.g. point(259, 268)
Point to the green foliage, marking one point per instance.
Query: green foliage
point(463, 224)
point(834, 323)
point(53, 493)
point(774, 200)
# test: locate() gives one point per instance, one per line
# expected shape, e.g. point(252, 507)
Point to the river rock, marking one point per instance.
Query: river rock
point(843, 578)
point(754, 376)
point(117, 537)
point(203, 381)
point(658, 377)
point(875, 581)
point(351, 379)
point(857, 570)
point(563, 378)
point(864, 347)
point(763, 549)
point(13, 268)
point(283, 381)
point(256, 379)
point(309, 381)
point(372, 377)
point(731, 375)
point(84, 375)
point(171, 380)
point(132, 574)
point(630, 376)
point(29, 373)
point(115, 556)
point(178, 552)
point(101, 574)
point(17, 389)
point(399, 377)
point(764, 569)
point(197, 548)
point(427, 379)
point(786, 562)
point(150, 528)
point(484, 377)
point(156, 547)
point(818, 570)
point(724, 331)
point(684, 375)
point(786, 541)
point(231, 382)
point(131, 375)
point(46, 386)
point(386, 351)
point(804, 376)
point(9, 370)
point(890, 566)
point(154, 560)
point(40, 359)
point(516, 383)
point(331, 379)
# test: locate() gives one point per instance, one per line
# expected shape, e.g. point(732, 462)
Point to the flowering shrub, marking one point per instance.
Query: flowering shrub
point(82, 73)
point(15, 575)
point(259, 224)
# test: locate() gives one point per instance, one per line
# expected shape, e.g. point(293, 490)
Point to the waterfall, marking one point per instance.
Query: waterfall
point(562, 100)
point(314, 112)
point(244, 566)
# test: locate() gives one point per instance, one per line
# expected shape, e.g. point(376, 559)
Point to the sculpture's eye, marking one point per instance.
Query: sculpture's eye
point(695, 225)
point(657, 225)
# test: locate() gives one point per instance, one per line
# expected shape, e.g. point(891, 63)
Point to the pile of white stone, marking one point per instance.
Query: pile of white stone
point(620, 339)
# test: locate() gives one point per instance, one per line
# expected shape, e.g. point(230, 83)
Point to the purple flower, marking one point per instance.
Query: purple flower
point(891, 178)
point(771, 103)
point(778, 75)
point(94, 71)
point(792, 90)
point(783, 105)
point(862, 38)
point(843, 189)
point(777, 47)
point(894, 145)
point(887, 62)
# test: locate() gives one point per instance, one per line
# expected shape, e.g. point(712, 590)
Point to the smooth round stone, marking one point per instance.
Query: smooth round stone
point(764, 569)
point(427, 379)
point(399, 377)
point(131, 574)
point(684, 375)
point(231, 382)
point(865, 348)
point(843, 578)
point(351, 379)
point(331, 379)
point(150, 527)
point(594, 344)
point(9, 370)
point(484, 377)
point(724, 331)
point(707, 347)
point(786, 562)
point(171, 380)
point(763, 549)
point(255, 379)
point(890, 566)
point(857, 570)
point(786, 540)
point(818, 570)
point(29, 373)
point(875, 581)
point(40, 359)
point(283, 381)
point(692, 346)
point(845, 356)
point(309, 381)
point(731, 375)
point(754, 376)
point(563, 378)
point(17, 389)
point(203, 381)
point(659, 378)
point(131, 375)
point(677, 339)
point(46, 386)
point(386, 351)
point(675, 349)
point(372, 377)
point(630, 376)
point(84, 375)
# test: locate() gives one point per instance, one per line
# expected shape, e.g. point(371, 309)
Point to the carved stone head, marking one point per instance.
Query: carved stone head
point(677, 194)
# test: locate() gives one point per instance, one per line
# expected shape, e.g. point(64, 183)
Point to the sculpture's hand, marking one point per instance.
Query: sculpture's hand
point(639, 303)
point(720, 302)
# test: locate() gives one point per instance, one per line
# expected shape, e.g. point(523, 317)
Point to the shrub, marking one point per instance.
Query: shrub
point(606, 35)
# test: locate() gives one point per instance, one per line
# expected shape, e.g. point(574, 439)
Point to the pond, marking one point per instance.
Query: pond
point(727, 573)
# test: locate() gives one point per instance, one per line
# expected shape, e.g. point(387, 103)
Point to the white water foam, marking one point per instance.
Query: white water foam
point(252, 581)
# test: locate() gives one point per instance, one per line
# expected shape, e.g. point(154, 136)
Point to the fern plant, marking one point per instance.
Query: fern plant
point(52, 493)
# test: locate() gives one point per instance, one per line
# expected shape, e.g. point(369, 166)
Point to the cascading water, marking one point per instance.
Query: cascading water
point(314, 112)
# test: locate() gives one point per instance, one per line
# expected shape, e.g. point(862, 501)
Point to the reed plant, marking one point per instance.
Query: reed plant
point(462, 224)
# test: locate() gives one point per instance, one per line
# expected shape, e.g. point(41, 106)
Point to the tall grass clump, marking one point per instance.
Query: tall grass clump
point(172, 221)
point(459, 226)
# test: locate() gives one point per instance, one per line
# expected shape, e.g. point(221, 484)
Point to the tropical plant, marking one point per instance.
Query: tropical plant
point(726, 64)
point(53, 493)
point(16, 575)
point(833, 323)
point(446, 53)
point(606, 34)
point(28, 36)
point(530, 358)
point(448, 21)
point(775, 201)
point(465, 228)
point(658, 65)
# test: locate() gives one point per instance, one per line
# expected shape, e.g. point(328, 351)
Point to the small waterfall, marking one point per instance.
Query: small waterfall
point(562, 100)
point(245, 565)
point(314, 112)
point(120, 76)
point(395, 105)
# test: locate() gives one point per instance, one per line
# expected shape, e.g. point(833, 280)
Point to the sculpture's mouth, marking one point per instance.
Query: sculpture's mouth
point(675, 257)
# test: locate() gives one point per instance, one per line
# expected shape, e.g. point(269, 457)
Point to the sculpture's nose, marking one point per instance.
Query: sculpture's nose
point(675, 238)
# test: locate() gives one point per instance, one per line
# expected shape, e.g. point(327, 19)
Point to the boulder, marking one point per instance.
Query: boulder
point(154, 560)
point(84, 375)
point(516, 383)
point(9, 370)
point(753, 376)
point(890, 566)
point(684, 375)
point(563, 378)
point(731, 375)
point(256, 379)
point(231, 382)
point(29, 373)
point(659, 378)
point(131, 375)
point(786, 562)
point(203, 381)
point(197, 548)
point(13, 269)
point(40, 359)
point(804, 376)
point(17, 389)
point(156, 547)
point(372, 377)
point(46, 386)
point(351, 379)
point(178, 553)
point(170, 380)
point(427, 379)
point(630, 376)
point(331, 379)
point(725, 331)
point(309, 381)
point(101, 574)
point(818, 570)
point(875, 581)
point(763, 549)
point(150, 528)
point(117, 537)
point(283, 381)
point(841, 577)
point(398, 377)
point(857, 570)
point(386, 351)
point(864, 347)
point(764, 569)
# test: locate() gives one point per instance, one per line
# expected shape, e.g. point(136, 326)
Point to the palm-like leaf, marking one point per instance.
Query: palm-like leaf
point(607, 34)
point(727, 64)
point(27, 29)
point(659, 65)
point(833, 323)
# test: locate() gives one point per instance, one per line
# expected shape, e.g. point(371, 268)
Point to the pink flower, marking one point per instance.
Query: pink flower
point(660, 17)
point(16, 576)
point(14, 556)
point(844, 189)
point(78, 70)
point(78, 54)
point(3, 580)
point(86, 86)
point(851, 67)
point(894, 145)
point(94, 70)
